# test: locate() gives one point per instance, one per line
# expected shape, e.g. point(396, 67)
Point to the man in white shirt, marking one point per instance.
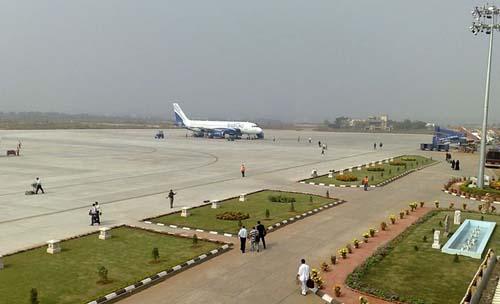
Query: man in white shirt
point(303, 276)
point(242, 234)
point(38, 185)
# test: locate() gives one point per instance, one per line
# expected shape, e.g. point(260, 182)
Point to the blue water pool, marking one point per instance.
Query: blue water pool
point(470, 239)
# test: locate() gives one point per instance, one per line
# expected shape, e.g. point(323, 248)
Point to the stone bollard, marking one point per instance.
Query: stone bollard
point(105, 233)
point(53, 246)
point(350, 169)
point(242, 197)
point(359, 168)
point(330, 174)
point(1, 262)
point(380, 163)
point(215, 204)
point(314, 173)
point(185, 212)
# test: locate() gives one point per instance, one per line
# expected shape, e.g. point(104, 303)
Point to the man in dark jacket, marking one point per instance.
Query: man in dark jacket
point(262, 233)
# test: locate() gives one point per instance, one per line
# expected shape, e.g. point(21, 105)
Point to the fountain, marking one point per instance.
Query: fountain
point(470, 239)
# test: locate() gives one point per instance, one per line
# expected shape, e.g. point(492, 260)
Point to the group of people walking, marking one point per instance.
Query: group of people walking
point(95, 214)
point(455, 164)
point(256, 235)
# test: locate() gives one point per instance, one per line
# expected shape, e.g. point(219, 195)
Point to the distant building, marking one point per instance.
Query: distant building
point(378, 123)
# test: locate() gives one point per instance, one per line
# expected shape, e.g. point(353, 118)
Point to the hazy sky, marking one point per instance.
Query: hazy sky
point(289, 60)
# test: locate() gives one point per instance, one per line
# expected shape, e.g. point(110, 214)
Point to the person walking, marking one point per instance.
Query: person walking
point(319, 143)
point(262, 233)
point(374, 146)
point(453, 164)
point(323, 151)
point(303, 276)
point(380, 145)
point(98, 213)
point(170, 196)
point(365, 183)
point(310, 140)
point(242, 170)
point(253, 235)
point(92, 213)
point(38, 185)
point(457, 165)
point(242, 234)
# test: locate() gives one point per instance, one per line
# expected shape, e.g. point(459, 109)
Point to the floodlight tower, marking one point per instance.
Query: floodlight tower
point(485, 21)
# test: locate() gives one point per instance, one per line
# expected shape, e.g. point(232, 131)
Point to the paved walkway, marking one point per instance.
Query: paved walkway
point(269, 277)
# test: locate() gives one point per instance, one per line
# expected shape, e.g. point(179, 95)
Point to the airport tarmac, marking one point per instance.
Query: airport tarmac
point(129, 173)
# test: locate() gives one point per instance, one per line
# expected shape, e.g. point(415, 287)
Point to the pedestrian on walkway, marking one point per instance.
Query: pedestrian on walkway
point(242, 170)
point(253, 235)
point(323, 151)
point(262, 233)
point(365, 183)
point(38, 185)
point(92, 213)
point(170, 196)
point(380, 145)
point(374, 146)
point(298, 139)
point(310, 140)
point(457, 165)
point(453, 164)
point(303, 276)
point(98, 213)
point(319, 143)
point(242, 234)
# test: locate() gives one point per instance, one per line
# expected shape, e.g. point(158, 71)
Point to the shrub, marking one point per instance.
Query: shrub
point(318, 281)
point(349, 248)
point(372, 232)
point(325, 267)
point(366, 236)
point(346, 178)
point(413, 206)
point(376, 169)
point(397, 163)
point(292, 207)
point(155, 254)
point(390, 171)
point(422, 204)
point(383, 225)
point(452, 205)
point(424, 238)
point(408, 159)
point(401, 214)
point(407, 212)
point(195, 239)
point(355, 242)
point(393, 219)
point(495, 185)
point(343, 253)
point(102, 272)
point(232, 216)
point(281, 199)
point(415, 247)
point(440, 224)
point(455, 258)
point(337, 291)
point(310, 199)
point(34, 296)
point(482, 217)
point(363, 300)
point(371, 178)
point(333, 259)
point(267, 214)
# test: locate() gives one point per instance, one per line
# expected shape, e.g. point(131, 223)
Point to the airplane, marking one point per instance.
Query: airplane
point(217, 129)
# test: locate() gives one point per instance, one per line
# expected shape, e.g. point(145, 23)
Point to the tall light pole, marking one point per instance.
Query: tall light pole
point(485, 21)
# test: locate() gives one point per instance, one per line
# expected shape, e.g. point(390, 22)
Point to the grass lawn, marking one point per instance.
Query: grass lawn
point(255, 205)
point(71, 275)
point(427, 274)
point(376, 177)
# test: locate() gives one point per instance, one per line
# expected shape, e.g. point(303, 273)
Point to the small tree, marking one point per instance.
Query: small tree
point(371, 178)
point(34, 296)
point(156, 254)
point(415, 247)
point(333, 259)
point(327, 194)
point(267, 214)
point(292, 207)
point(195, 240)
point(424, 238)
point(103, 274)
point(240, 224)
point(455, 259)
point(310, 199)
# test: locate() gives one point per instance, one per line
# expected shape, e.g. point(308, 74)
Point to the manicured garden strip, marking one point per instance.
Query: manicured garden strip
point(389, 173)
point(71, 275)
point(256, 204)
point(407, 269)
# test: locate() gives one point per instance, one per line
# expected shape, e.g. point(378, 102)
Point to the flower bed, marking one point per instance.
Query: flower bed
point(346, 178)
point(232, 216)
